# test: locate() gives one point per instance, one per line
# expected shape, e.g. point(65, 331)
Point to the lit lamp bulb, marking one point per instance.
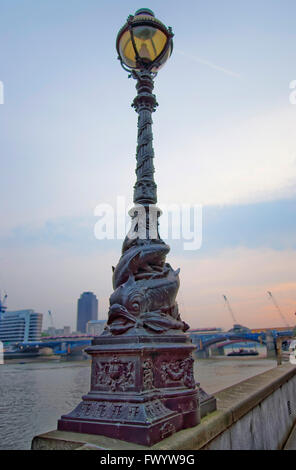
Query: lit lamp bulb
point(144, 42)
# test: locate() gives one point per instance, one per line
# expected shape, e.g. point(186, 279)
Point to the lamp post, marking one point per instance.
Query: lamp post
point(142, 382)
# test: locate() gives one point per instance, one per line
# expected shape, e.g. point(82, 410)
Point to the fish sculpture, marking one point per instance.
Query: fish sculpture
point(145, 289)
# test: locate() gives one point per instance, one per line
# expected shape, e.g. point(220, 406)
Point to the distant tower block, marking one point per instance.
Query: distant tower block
point(87, 309)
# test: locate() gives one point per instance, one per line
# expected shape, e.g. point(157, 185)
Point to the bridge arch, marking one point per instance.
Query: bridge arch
point(240, 338)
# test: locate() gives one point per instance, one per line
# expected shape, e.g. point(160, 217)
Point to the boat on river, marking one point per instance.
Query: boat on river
point(244, 352)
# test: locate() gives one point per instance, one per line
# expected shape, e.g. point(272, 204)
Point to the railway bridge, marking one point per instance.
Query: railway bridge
point(204, 339)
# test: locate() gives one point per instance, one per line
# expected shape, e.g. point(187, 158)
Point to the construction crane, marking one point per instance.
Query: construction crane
point(229, 308)
point(50, 318)
point(3, 306)
point(278, 308)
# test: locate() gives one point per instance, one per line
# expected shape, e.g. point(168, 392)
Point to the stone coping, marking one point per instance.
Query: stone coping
point(232, 403)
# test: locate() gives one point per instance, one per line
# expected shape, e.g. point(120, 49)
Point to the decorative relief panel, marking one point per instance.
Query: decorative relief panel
point(120, 411)
point(167, 429)
point(114, 374)
point(155, 409)
point(178, 371)
point(147, 374)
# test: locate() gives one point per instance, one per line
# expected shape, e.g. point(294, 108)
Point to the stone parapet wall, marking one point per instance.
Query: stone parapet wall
point(258, 413)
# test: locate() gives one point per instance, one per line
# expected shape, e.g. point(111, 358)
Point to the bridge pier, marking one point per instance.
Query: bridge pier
point(221, 351)
point(218, 351)
point(202, 354)
point(270, 345)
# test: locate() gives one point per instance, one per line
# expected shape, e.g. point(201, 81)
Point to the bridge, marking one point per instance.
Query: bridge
point(204, 339)
point(60, 345)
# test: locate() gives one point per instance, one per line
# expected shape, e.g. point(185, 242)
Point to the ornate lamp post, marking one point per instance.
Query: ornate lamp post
point(142, 383)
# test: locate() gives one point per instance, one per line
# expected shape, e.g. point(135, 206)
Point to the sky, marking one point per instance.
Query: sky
point(224, 137)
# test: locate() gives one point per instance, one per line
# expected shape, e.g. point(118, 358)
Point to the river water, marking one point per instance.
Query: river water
point(34, 395)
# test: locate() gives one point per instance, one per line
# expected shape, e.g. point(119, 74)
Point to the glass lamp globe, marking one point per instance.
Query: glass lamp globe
point(144, 42)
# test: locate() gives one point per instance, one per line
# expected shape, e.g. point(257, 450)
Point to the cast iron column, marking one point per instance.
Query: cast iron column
point(145, 104)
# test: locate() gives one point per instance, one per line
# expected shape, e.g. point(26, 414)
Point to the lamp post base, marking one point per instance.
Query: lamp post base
point(142, 389)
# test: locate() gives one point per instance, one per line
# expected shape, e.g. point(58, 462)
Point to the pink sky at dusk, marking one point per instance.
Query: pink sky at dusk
point(54, 280)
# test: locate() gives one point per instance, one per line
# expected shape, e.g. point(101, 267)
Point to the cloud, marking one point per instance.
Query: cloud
point(48, 278)
point(269, 224)
point(72, 235)
point(244, 275)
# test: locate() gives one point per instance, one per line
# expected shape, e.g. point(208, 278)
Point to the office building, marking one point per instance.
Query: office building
point(67, 331)
point(20, 326)
point(87, 309)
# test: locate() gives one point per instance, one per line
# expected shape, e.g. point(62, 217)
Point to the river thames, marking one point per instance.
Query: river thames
point(34, 395)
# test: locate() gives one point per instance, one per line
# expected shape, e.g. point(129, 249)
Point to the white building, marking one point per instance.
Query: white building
point(95, 327)
point(20, 326)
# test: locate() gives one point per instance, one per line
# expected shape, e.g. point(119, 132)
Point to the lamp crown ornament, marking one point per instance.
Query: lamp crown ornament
point(144, 11)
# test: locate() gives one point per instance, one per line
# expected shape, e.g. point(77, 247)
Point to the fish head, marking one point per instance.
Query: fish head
point(130, 295)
